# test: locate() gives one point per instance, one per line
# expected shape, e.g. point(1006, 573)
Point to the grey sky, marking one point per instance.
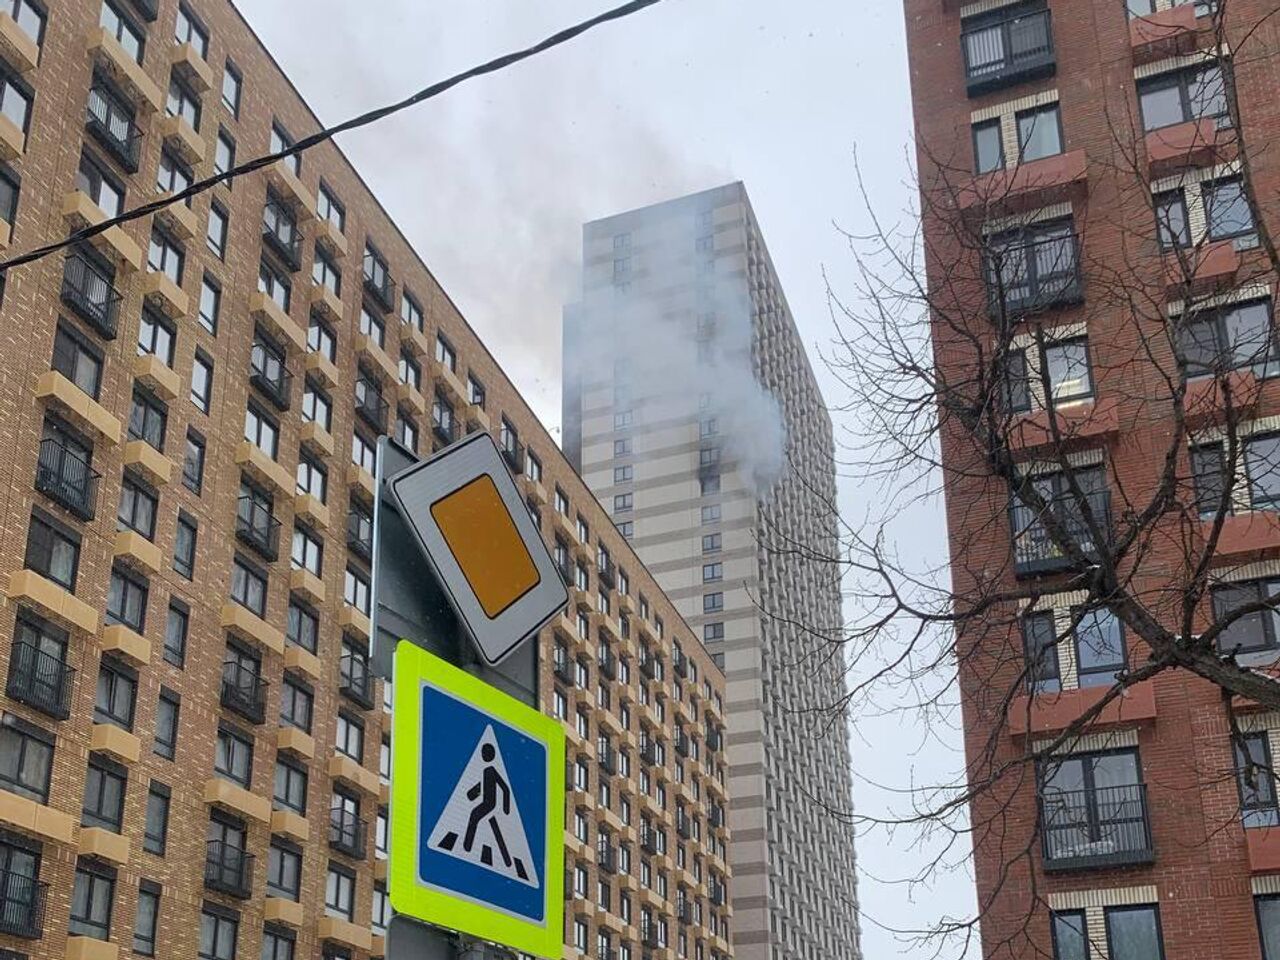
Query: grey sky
point(493, 181)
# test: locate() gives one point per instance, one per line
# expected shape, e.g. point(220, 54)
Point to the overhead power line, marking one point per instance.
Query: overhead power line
point(328, 133)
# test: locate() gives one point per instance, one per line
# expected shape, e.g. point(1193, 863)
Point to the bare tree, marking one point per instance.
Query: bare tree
point(1081, 360)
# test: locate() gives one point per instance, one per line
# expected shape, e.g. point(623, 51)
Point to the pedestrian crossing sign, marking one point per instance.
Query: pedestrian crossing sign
point(477, 807)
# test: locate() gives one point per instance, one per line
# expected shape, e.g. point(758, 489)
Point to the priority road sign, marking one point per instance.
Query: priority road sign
point(477, 807)
point(468, 517)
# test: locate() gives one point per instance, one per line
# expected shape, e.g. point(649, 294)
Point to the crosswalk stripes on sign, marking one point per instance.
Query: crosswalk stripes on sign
point(480, 824)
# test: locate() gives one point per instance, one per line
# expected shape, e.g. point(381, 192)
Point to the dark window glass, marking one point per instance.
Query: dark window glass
point(1227, 209)
point(1256, 779)
point(147, 419)
point(1209, 472)
point(167, 707)
point(137, 510)
point(53, 552)
point(144, 925)
point(1069, 936)
point(303, 628)
point(1171, 219)
point(249, 587)
point(104, 790)
point(193, 463)
point(1100, 649)
point(91, 902)
point(1133, 933)
point(176, 626)
point(1040, 638)
point(127, 600)
point(77, 361)
point(233, 758)
point(284, 871)
point(291, 787)
point(1268, 909)
point(184, 547)
point(26, 759)
point(218, 935)
point(295, 705)
point(156, 829)
point(1251, 632)
point(115, 695)
point(1228, 339)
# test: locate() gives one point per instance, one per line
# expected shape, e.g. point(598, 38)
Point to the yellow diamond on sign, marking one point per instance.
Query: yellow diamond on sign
point(482, 537)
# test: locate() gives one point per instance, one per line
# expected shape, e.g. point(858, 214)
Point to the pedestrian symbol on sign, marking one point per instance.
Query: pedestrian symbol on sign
point(481, 822)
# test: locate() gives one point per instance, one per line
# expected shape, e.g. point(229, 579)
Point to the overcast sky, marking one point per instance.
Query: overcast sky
point(493, 181)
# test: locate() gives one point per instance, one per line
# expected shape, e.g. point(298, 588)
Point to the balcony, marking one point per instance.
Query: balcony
point(608, 663)
point(378, 283)
point(346, 833)
point(713, 739)
point(649, 842)
point(1013, 50)
point(513, 453)
point(1030, 276)
point(607, 858)
point(268, 373)
point(680, 665)
point(354, 681)
point(244, 691)
point(228, 869)
point(40, 680)
point(682, 744)
point(443, 430)
point(1043, 714)
point(360, 535)
point(1105, 827)
point(684, 910)
point(111, 123)
point(370, 405)
point(65, 477)
point(90, 292)
point(562, 667)
point(649, 667)
point(715, 816)
point(1034, 550)
point(649, 935)
point(684, 827)
point(1035, 183)
point(1202, 269)
point(648, 751)
point(280, 234)
point(257, 528)
point(716, 893)
point(22, 900)
point(607, 758)
point(1166, 33)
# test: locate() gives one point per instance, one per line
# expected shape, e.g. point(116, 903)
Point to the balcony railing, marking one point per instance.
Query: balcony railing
point(360, 535)
point(562, 667)
point(280, 233)
point(680, 665)
point(354, 680)
point(228, 869)
point(112, 125)
point(22, 901)
point(608, 663)
point(1008, 51)
point(607, 858)
point(1031, 275)
point(684, 826)
point(715, 816)
point(717, 893)
point(514, 455)
point(1105, 827)
point(648, 751)
point(378, 283)
point(607, 757)
point(63, 475)
point(649, 841)
point(444, 430)
point(649, 667)
point(40, 680)
point(649, 935)
point(268, 373)
point(1034, 550)
point(684, 910)
point(244, 691)
point(607, 573)
point(346, 832)
point(256, 527)
point(370, 405)
point(682, 744)
point(713, 739)
point(89, 292)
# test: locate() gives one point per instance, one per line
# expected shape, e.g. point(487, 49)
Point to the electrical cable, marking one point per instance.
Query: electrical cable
point(328, 133)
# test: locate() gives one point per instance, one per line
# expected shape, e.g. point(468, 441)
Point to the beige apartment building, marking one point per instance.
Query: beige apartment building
point(691, 411)
point(193, 753)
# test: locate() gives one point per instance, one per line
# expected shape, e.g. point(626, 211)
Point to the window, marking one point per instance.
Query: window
point(708, 484)
point(355, 590)
point(93, 180)
point(712, 632)
point(988, 146)
point(249, 586)
point(312, 479)
point(280, 142)
point(29, 18)
point(275, 285)
point(410, 311)
point(1255, 777)
point(224, 152)
point(1064, 362)
point(104, 790)
point(115, 694)
point(284, 870)
point(475, 392)
point(317, 407)
point(712, 572)
point(1040, 642)
point(210, 303)
point(155, 336)
point(410, 372)
point(137, 510)
point(711, 513)
point(371, 326)
point(175, 633)
point(123, 29)
point(1253, 632)
point(623, 474)
point(91, 901)
point(1034, 267)
point(187, 29)
point(303, 628)
point(1227, 209)
point(231, 88)
point(1236, 336)
point(165, 256)
point(325, 274)
point(291, 787)
point(307, 552)
point(406, 432)
point(166, 742)
point(376, 278)
point(622, 502)
point(277, 943)
point(144, 925)
point(320, 339)
point(1039, 133)
point(156, 826)
point(349, 737)
point(1133, 933)
point(1172, 98)
point(328, 208)
point(261, 431)
point(233, 758)
point(127, 599)
point(711, 543)
point(172, 175)
point(381, 908)
point(26, 758)
point(364, 454)
point(339, 892)
point(219, 930)
point(1173, 226)
point(184, 546)
point(1092, 803)
point(216, 231)
point(77, 360)
point(712, 602)
point(445, 355)
point(193, 463)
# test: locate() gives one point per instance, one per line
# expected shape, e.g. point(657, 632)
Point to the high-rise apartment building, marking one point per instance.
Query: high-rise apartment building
point(193, 754)
point(691, 410)
point(1098, 192)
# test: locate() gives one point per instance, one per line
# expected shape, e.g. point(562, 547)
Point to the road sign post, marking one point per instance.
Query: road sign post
point(477, 801)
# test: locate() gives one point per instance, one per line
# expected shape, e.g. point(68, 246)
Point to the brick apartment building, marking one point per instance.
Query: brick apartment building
point(193, 750)
point(1085, 175)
